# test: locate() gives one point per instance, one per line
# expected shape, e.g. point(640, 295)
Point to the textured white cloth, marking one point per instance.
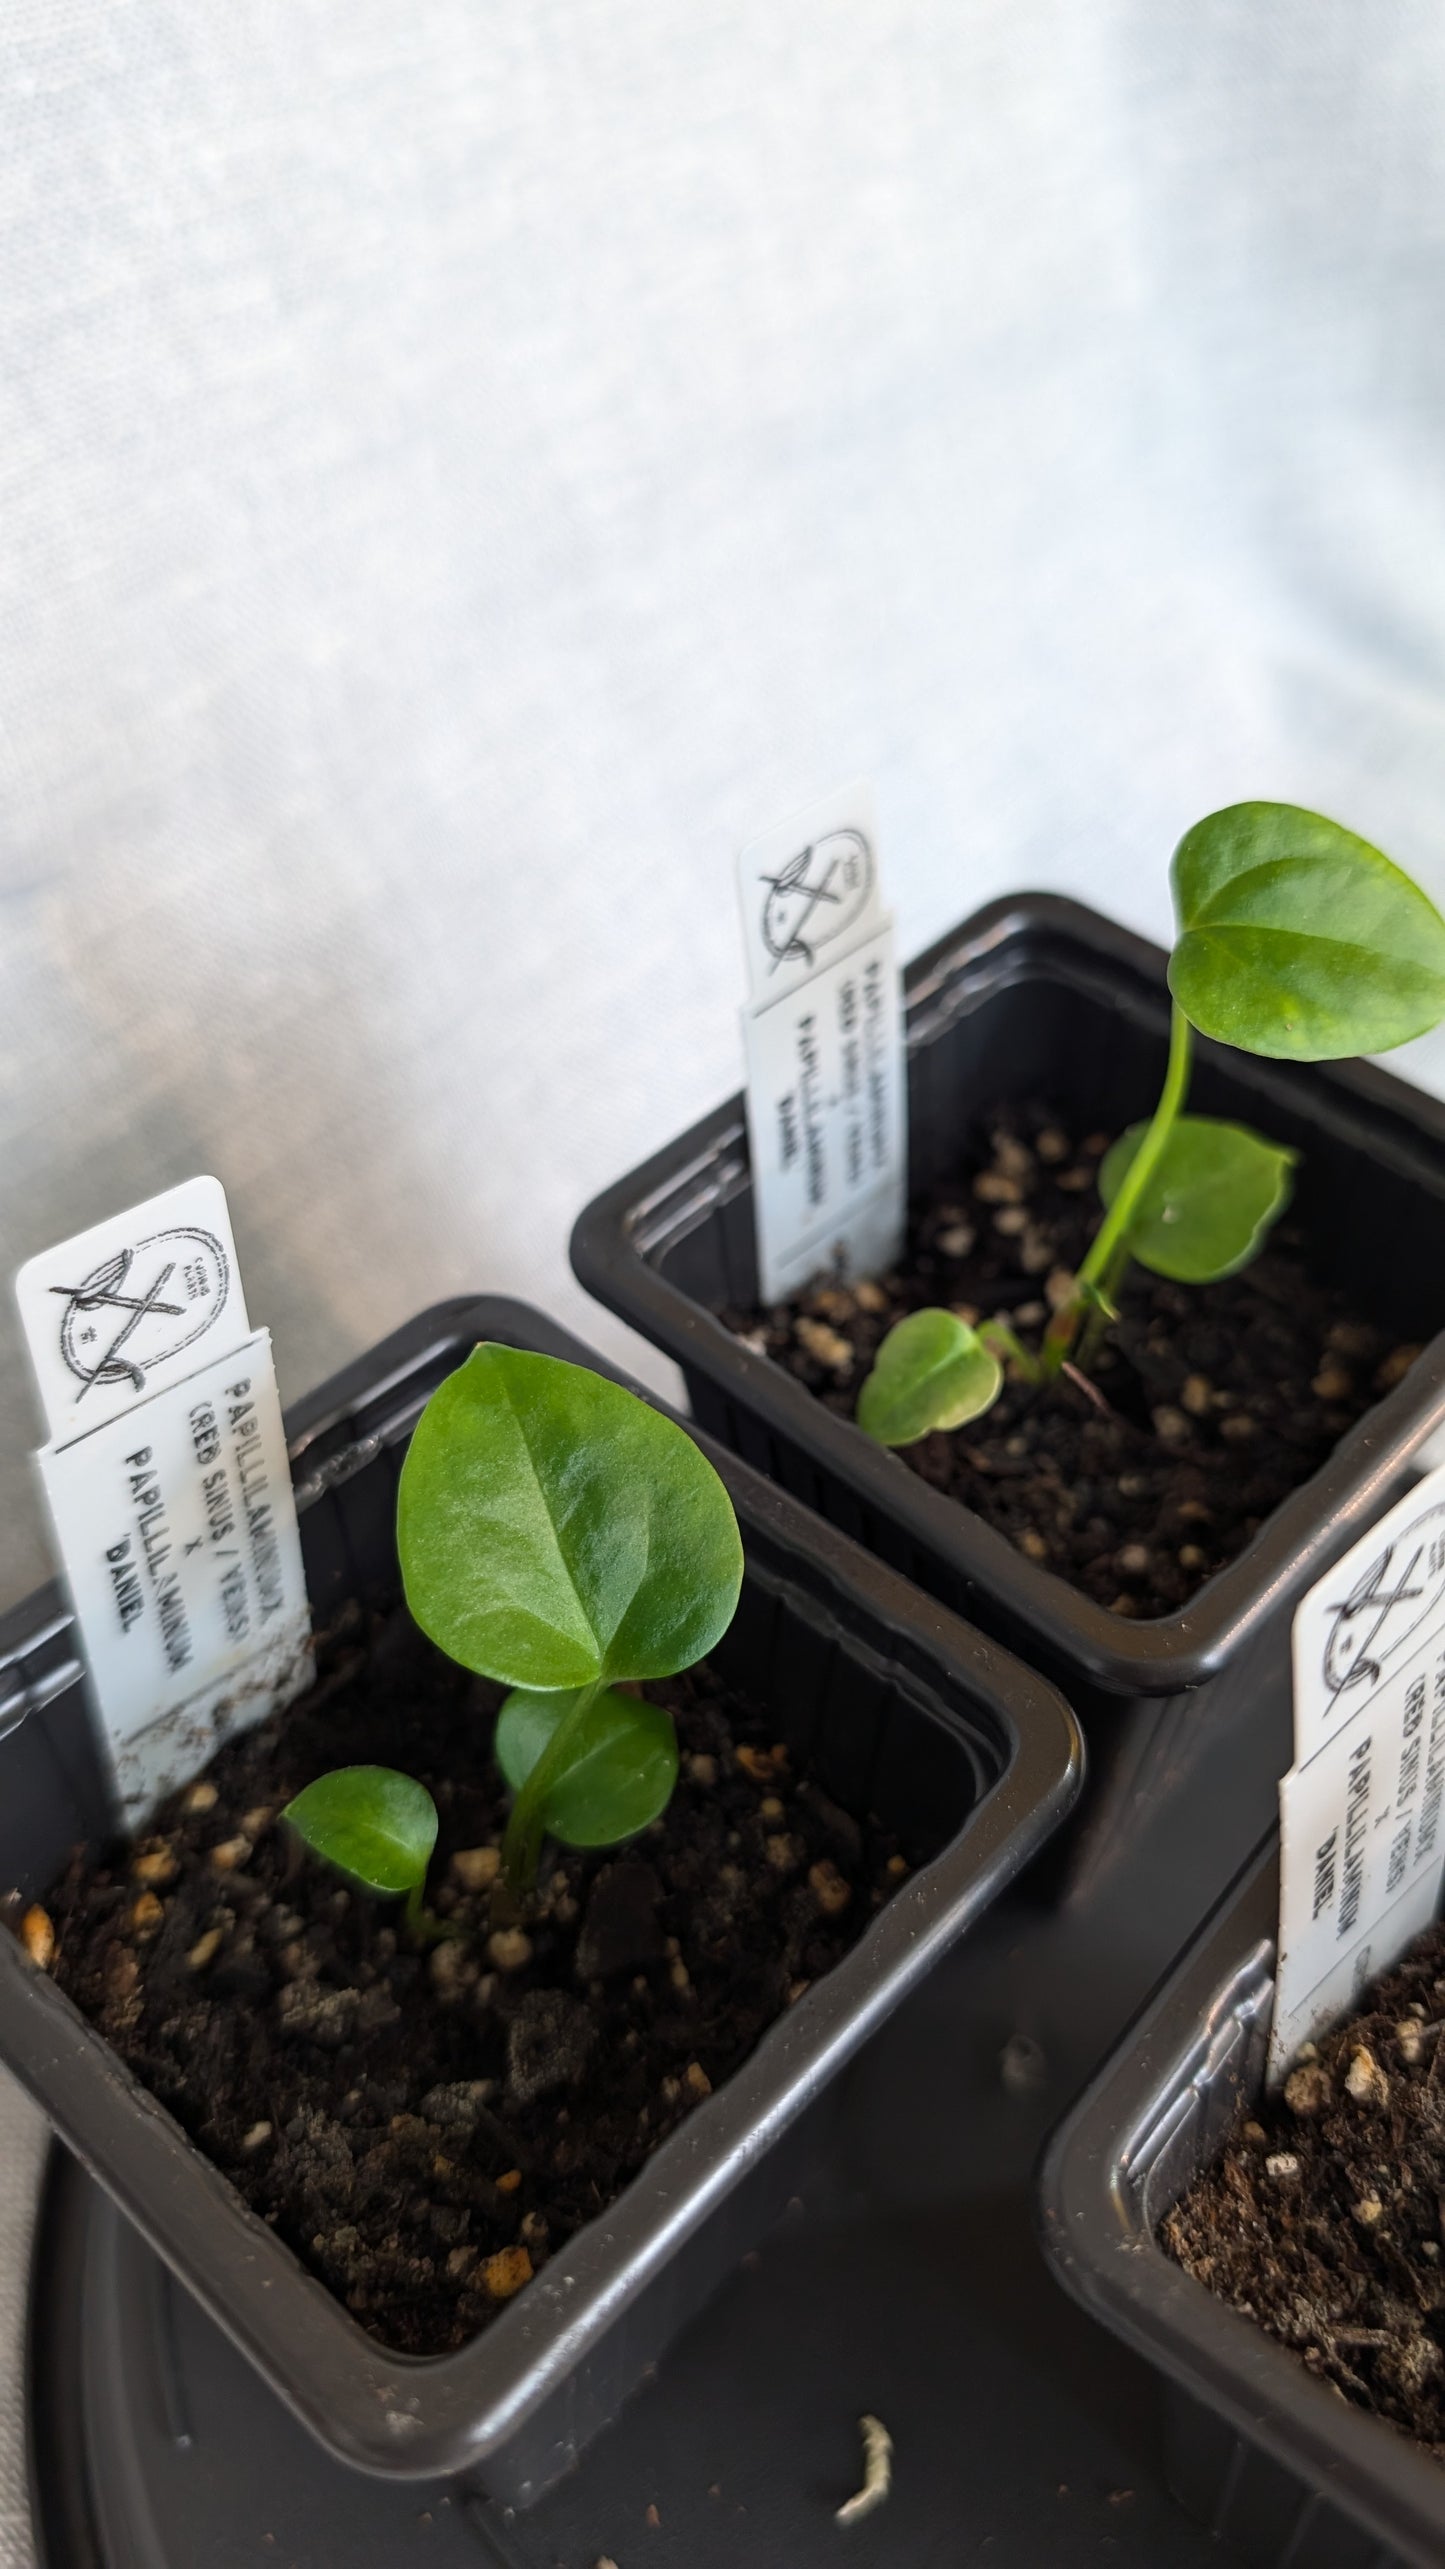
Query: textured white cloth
point(463, 469)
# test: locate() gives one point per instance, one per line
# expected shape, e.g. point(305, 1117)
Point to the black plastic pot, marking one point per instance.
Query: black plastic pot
point(1270, 2459)
point(893, 1705)
point(1040, 998)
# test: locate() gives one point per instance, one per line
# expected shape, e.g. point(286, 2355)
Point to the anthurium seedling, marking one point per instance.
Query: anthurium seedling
point(561, 1537)
point(376, 1825)
point(1296, 940)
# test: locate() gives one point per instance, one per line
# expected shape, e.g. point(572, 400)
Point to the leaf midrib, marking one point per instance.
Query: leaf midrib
point(1208, 917)
point(551, 1519)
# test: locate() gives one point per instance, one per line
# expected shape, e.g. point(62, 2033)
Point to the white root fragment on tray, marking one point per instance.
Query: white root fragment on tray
point(877, 2472)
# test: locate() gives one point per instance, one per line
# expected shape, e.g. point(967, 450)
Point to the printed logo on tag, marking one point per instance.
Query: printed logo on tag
point(1362, 1849)
point(809, 890)
point(823, 1040)
point(123, 1309)
point(168, 1485)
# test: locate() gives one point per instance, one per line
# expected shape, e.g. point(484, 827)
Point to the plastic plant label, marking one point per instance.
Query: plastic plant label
point(1362, 1847)
point(823, 1040)
point(131, 1305)
point(172, 1508)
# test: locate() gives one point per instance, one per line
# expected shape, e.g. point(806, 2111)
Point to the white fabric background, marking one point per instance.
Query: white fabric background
point(463, 469)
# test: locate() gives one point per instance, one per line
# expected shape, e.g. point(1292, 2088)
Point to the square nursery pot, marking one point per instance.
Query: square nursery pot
point(893, 1706)
point(1040, 998)
point(1274, 2462)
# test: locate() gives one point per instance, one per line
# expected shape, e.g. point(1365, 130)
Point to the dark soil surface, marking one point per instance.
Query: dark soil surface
point(1325, 2218)
point(425, 2127)
point(1220, 1399)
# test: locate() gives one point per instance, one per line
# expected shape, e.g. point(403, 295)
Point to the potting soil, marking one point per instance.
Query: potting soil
point(1203, 1406)
point(1324, 2218)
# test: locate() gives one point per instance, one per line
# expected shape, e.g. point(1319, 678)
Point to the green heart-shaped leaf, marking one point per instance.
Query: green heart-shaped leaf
point(370, 1822)
point(931, 1371)
point(620, 1772)
point(554, 1530)
point(1299, 940)
point(1210, 1201)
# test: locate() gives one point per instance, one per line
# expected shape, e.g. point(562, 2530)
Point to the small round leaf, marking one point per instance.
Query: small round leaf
point(1210, 1202)
point(1299, 940)
point(620, 1778)
point(371, 1822)
point(554, 1529)
point(931, 1371)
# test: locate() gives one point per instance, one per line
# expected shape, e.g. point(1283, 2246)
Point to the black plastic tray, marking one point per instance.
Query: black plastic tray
point(890, 1702)
point(1037, 997)
point(1259, 2451)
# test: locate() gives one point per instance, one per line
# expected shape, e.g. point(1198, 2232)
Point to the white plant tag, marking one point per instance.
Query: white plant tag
point(823, 1041)
point(1361, 1845)
point(131, 1305)
point(172, 1504)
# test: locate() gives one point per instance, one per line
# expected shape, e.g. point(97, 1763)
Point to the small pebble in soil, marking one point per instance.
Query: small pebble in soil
point(826, 1344)
point(760, 1763)
point(1308, 2090)
point(1366, 2081)
point(155, 1867)
point(510, 1949)
point(828, 1887)
point(477, 1867)
point(505, 2273)
point(1395, 1367)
